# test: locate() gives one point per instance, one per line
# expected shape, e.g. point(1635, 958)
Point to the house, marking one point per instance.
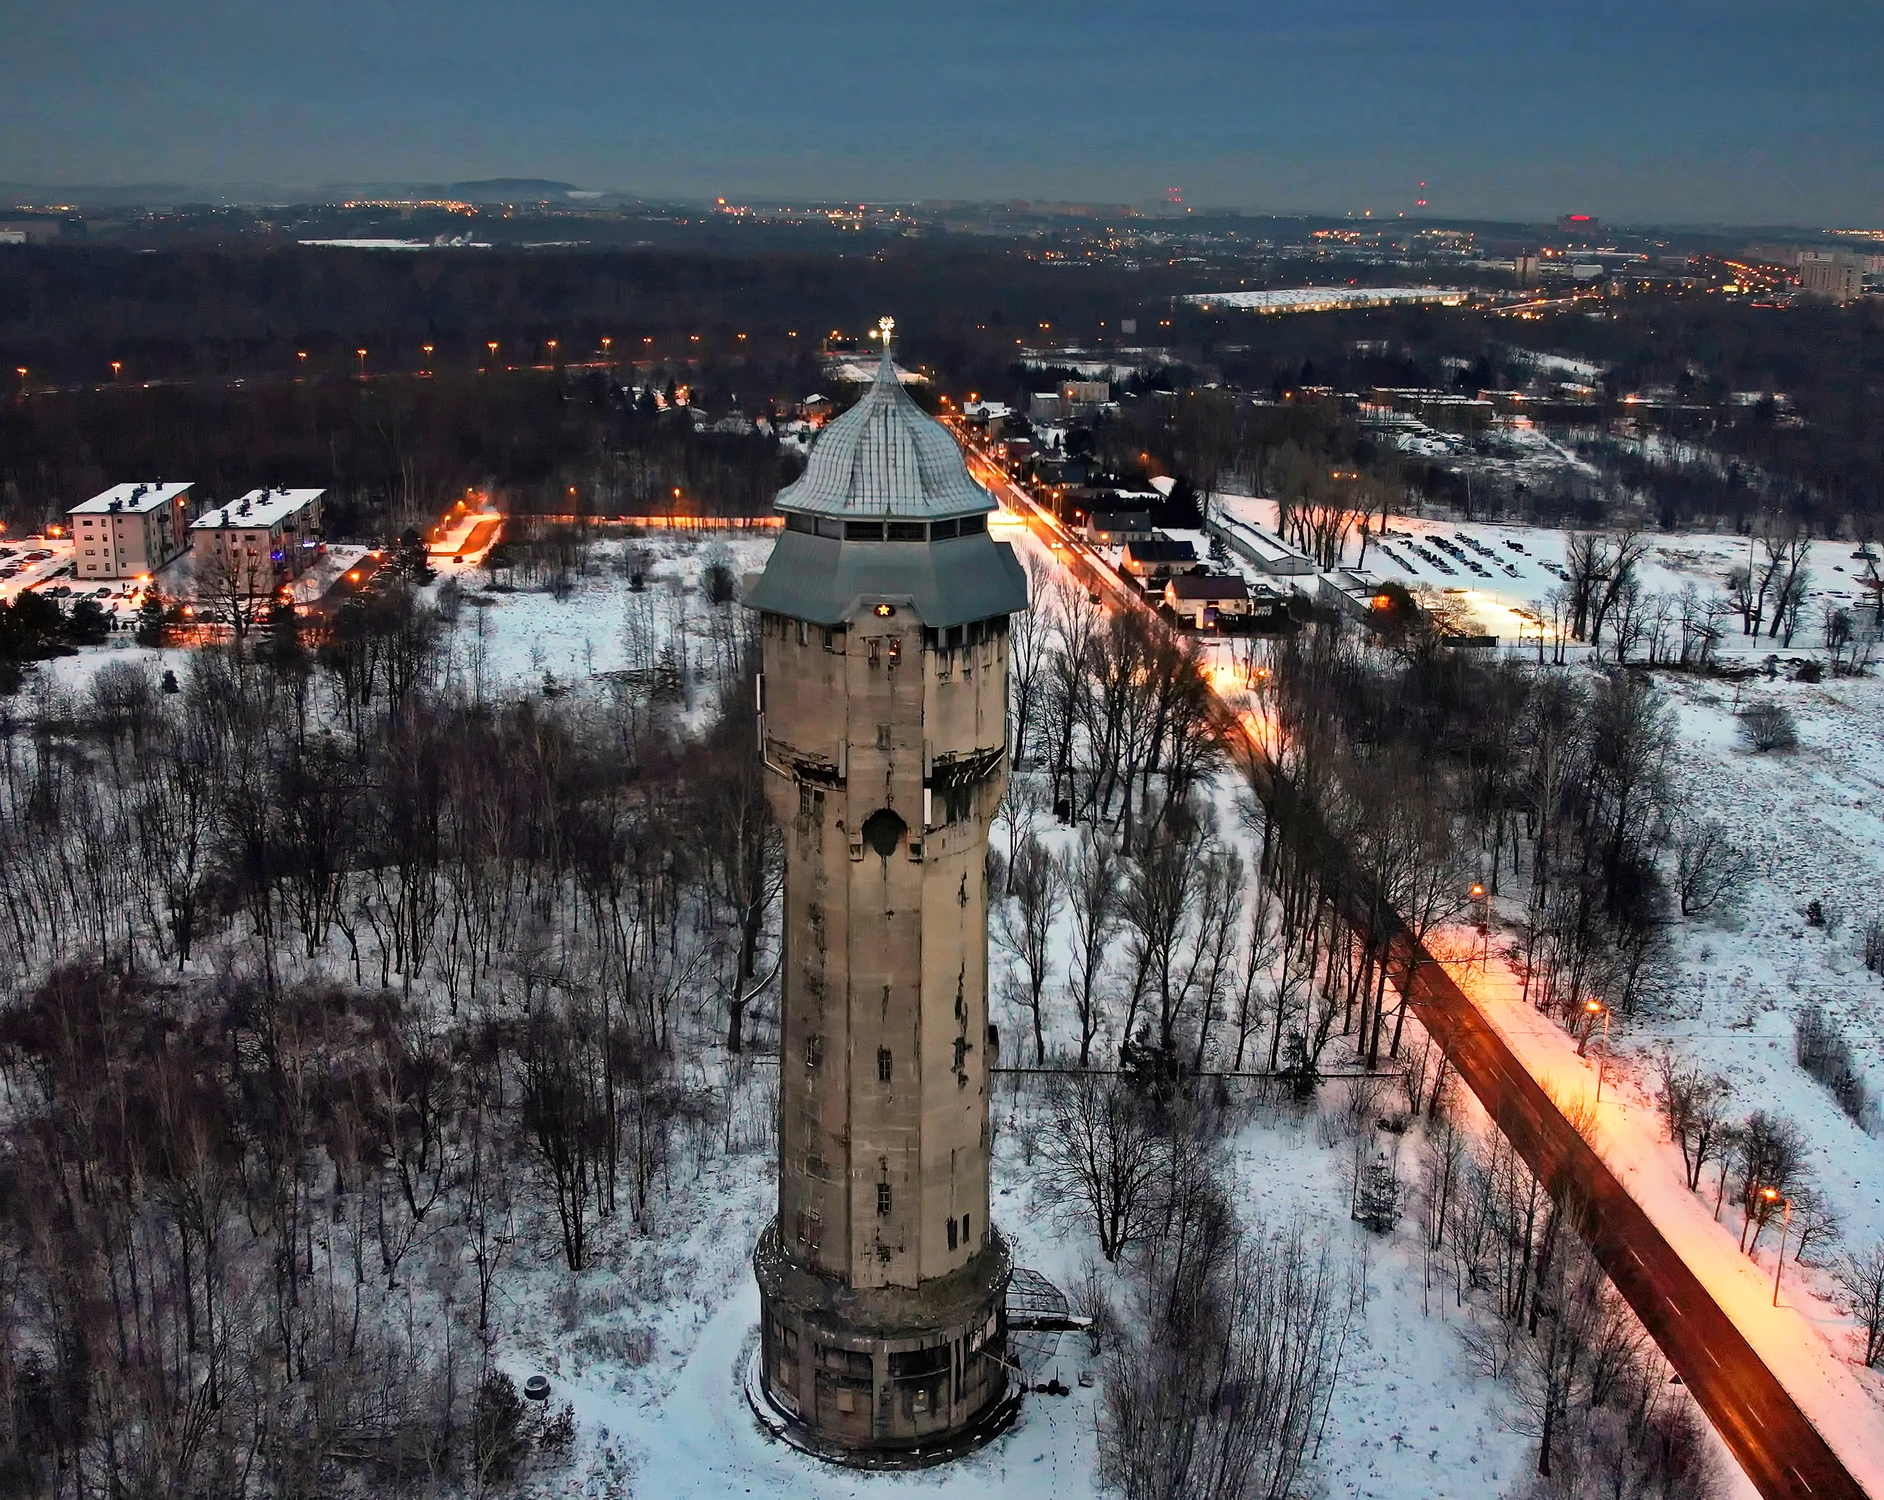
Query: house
point(816, 409)
point(1115, 528)
point(1160, 557)
point(265, 538)
point(129, 531)
point(988, 417)
point(1201, 599)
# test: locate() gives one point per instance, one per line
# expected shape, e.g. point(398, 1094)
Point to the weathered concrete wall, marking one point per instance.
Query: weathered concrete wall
point(884, 1065)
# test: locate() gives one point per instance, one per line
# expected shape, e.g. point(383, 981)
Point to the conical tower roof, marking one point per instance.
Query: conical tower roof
point(884, 457)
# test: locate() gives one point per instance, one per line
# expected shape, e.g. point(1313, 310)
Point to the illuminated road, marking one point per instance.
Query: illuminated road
point(1778, 1448)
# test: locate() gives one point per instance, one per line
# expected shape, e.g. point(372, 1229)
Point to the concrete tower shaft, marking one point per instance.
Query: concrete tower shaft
point(884, 725)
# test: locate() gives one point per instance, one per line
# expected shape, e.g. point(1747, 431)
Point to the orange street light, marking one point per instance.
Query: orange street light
point(1591, 1010)
point(362, 354)
point(1773, 1195)
point(116, 366)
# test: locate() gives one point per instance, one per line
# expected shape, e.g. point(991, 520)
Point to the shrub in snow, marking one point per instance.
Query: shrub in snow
point(1874, 945)
point(497, 1438)
point(1769, 726)
point(1823, 1052)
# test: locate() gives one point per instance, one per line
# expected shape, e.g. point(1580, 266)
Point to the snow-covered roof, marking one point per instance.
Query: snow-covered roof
point(134, 499)
point(257, 509)
point(1161, 549)
point(1207, 587)
point(886, 456)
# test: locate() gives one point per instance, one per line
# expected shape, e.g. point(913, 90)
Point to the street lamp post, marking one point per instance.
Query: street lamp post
point(362, 354)
point(1591, 1010)
point(1772, 1195)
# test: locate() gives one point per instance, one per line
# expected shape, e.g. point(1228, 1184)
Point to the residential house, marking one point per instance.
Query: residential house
point(1115, 528)
point(1160, 557)
point(1200, 600)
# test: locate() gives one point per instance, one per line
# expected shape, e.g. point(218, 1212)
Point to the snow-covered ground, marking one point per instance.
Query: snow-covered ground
point(651, 1349)
point(602, 624)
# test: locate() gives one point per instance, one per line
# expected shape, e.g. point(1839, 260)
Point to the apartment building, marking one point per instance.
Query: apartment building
point(273, 534)
point(129, 531)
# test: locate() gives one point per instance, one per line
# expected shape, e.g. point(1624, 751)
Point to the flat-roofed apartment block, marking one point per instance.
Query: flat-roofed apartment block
point(129, 531)
point(883, 717)
point(267, 536)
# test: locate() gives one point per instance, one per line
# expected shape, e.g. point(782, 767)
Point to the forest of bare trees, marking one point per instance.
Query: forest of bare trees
point(1403, 773)
point(344, 994)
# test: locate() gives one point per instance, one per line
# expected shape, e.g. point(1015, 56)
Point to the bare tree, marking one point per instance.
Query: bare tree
point(1092, 886)
point(1024, 924)
point(1710, 868)
point(1216, 1389)
point(1693, 1109)
point(1100, 1158)
point(238, 587)
point(1860, 1276)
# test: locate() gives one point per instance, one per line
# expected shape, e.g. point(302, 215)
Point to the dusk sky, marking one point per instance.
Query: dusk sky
point(1649, 110)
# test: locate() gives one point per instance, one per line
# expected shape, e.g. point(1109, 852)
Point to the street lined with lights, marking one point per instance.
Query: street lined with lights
point(1776, 1445)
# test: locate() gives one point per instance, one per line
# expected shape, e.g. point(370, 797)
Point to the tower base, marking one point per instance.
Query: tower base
point(883, 1374)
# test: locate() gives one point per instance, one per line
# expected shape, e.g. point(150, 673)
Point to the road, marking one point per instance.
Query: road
point(1781, 1452)
point(347, 585)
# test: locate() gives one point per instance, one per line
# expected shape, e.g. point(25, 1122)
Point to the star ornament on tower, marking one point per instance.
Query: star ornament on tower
point(885, 327)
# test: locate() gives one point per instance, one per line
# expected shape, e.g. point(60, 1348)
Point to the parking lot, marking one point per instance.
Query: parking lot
point(44, 565)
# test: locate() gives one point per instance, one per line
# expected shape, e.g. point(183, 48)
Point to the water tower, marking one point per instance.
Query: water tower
point(883, 720)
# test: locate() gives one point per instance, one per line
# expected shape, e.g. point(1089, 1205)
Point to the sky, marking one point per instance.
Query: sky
point(1662, 111)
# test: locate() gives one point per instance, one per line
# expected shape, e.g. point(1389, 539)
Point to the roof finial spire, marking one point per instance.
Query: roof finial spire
point(885, 327)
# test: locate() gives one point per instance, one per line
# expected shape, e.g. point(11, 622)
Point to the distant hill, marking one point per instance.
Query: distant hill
point(511, 190)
